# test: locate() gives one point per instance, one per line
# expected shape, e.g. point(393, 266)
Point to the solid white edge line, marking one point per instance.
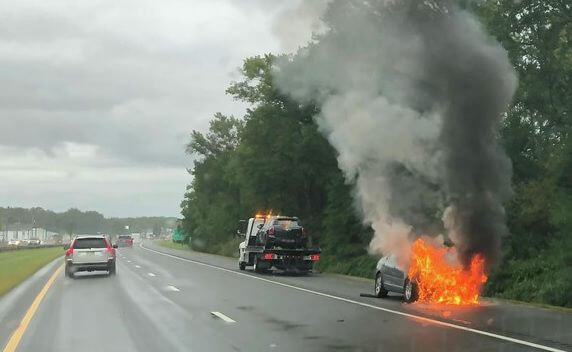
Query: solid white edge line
point(347, 300)
point(223, 317)
point(151, 274)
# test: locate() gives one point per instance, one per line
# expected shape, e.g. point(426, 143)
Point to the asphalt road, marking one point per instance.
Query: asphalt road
point(183, 301)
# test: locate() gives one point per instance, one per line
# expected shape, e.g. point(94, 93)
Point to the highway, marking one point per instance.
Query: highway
point(171, 300)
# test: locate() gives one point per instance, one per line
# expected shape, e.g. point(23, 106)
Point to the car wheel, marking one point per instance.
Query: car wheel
point(410, 291)
point(241, 265)
point(379, 290)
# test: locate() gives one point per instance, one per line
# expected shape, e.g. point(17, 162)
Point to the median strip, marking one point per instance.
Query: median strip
point(16, 266)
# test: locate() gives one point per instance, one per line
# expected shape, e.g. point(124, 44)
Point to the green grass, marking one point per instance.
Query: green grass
point(227, 249)
point(16, 266)
point(171, 244)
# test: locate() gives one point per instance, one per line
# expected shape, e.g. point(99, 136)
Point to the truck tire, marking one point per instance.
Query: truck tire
point(241, 265)
point(257, 267)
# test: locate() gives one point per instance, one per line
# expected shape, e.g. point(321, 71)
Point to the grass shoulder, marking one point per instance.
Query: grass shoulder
point(16, 266)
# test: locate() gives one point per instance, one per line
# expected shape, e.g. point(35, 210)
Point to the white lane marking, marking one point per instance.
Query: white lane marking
point(129, 261)
point(138, 266)
point(151, 274)
point(223, 317)
point(172, 288)
point(347, 300)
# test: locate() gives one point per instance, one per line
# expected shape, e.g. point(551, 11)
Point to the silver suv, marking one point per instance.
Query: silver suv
point(90, 253)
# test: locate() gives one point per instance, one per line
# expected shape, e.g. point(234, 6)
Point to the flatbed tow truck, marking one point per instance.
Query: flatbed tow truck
point(274, 242)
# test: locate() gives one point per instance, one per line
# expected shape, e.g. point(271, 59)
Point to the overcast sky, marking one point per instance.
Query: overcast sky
point(99, 96)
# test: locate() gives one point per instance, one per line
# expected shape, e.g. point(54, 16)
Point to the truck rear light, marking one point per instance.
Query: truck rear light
point(269, 256)
point(315, 257)
point(69, 251)
point(303, 231)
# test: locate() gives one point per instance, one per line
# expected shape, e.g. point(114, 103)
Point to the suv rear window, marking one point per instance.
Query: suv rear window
point(124, 237)
point(85, 243)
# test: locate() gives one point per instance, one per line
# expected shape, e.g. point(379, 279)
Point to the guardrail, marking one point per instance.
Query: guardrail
point(4, 248)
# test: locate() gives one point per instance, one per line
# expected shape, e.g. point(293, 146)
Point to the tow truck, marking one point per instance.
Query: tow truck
point(274, 242)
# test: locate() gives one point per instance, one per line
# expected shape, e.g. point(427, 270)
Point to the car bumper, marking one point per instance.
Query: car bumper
point(100, 266)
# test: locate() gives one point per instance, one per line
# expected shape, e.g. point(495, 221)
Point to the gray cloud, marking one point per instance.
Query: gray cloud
point(124, 82)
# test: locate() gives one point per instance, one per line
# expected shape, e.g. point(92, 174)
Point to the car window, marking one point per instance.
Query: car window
point(85, 243)
point(286, 223)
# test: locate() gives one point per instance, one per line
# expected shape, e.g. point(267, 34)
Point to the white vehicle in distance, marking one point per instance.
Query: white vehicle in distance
point(13, 243)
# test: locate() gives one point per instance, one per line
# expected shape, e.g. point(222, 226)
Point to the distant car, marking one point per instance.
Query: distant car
point(13, 243)
point(390, 278)
point(23, 243)
point(34, 242)
point(90, 253)
point(125, 241)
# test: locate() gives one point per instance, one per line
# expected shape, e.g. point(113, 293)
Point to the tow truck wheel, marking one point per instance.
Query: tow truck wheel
point(257, 267)
point(241, 265)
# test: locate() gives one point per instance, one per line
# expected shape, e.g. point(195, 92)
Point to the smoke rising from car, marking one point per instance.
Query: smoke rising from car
point(411, 95)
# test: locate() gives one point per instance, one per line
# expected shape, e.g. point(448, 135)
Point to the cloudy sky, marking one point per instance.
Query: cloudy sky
point(99, 96)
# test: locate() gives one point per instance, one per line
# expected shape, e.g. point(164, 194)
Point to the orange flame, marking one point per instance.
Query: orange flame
point(441, 279)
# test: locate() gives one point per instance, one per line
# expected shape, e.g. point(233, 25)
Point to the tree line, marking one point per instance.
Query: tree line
point(275, 158)
point(74, 221)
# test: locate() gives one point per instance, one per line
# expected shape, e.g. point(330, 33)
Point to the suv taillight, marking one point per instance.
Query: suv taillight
point(109, 248)
point(69, 251)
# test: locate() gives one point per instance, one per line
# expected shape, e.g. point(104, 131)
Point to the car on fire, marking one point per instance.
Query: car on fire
point(390, 278)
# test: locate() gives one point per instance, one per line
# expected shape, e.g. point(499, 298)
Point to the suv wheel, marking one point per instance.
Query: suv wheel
point(112, 269)
point(68, 272)
point(379, 290)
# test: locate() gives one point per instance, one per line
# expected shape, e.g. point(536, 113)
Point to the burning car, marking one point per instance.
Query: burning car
point(390, 278)
point(434, 276)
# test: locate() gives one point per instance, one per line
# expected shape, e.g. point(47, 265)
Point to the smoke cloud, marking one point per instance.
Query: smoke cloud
point(411, 96)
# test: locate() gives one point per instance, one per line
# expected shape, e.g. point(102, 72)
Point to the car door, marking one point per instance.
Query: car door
point(388, 280)
point(392, 275)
